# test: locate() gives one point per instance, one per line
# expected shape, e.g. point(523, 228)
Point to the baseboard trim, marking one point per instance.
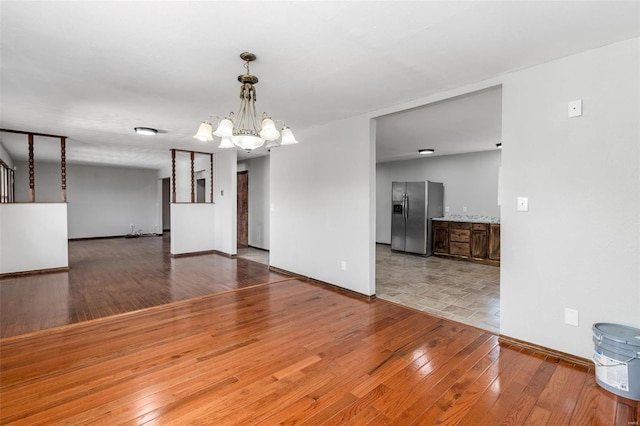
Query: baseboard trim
point(571, 359)
point(285, 272)
point(34, 272)
point(328, 286)
point(192, 253)
point(110, 237)
point(221, 253)
point(468, 259)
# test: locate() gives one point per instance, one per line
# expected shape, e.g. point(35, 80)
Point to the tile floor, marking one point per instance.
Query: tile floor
point(461, 291)
point(255, 254)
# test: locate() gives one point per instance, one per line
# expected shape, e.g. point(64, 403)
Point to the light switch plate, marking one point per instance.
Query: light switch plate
point(523, 204)
point(575, 108)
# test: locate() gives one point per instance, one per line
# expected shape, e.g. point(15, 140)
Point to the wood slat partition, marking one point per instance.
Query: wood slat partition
point(32, 177)
point(173, 175)
point(63, 161)
point(211, 176)
point(63, 167)
point(193, 179)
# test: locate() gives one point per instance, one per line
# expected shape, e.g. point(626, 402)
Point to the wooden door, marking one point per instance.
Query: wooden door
point(243, 209)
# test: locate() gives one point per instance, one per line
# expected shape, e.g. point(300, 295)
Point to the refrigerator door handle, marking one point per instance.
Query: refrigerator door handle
point(405, 206)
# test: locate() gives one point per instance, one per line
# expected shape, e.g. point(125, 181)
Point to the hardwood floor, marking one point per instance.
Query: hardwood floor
point(113, 276)
point(282, 352)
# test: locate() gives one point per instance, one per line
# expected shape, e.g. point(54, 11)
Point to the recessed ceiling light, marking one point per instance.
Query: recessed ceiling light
point(426, 151)
point(499, 145)
point(145, 131)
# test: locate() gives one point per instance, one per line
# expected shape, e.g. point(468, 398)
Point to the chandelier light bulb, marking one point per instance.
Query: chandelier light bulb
point(204, 132)
point(287, 137)
point(225, 129)
point(269, 131)
point(226, 142)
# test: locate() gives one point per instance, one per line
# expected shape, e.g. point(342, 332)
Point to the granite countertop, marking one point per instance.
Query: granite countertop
point(469, 218)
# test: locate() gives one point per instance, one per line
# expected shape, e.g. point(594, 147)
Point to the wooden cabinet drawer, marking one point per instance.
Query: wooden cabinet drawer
point(460, 225)
point(460, 249)
point(479, 226)
point(440, 224)
point(459, 235)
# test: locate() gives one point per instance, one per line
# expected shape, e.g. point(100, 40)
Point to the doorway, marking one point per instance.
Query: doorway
point(243, 209)
point(166, 204)
point(200, 190)
point(463, 134)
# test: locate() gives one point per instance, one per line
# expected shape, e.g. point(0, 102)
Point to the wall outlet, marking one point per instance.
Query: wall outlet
point(574, 108)
point(464, 209)
point(446, 209)
point(571, 317)
point(343, 265)
point(523, 204)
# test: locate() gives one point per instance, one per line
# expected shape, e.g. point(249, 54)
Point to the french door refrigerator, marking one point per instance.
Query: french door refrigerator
point(413, 205)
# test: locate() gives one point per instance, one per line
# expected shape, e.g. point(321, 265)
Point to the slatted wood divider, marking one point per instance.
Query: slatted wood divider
point(31, 161)
point(192, 160)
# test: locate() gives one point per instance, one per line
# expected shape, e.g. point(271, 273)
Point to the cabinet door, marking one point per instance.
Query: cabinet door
point(479, 242)
point(441, 240)
point(494, 242)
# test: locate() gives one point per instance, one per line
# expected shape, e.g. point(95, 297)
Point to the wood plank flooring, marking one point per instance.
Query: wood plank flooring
point(290, 353)
point(141, 338)
point(114, 276)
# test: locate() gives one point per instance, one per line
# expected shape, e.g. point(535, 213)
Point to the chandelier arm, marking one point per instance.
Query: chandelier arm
point(256, 124)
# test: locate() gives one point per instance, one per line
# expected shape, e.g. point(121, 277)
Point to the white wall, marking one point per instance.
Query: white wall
point(33, 236)
point(224, 192)
point(322, 197)
point(470, 180)
point(579, 245)
point(259, 181)
point(102, 201)
point(226, 201)
point(192, 227)
point(4, 156)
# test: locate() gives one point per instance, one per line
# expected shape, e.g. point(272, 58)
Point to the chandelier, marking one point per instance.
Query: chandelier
point(244, 130)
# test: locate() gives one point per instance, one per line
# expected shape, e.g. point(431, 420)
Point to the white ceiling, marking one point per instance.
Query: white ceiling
point(94, 70)
point(467, 123)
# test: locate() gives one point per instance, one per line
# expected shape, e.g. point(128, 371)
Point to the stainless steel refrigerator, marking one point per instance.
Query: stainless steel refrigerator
point(413, 206)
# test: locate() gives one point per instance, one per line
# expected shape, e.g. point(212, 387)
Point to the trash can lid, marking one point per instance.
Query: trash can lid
point(617, 332)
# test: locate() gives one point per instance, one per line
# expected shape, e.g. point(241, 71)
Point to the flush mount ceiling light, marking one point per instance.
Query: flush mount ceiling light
point(145, 131)
point(426, 151)
point(243, 129)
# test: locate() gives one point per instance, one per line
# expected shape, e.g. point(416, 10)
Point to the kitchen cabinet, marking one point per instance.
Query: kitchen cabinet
point(460, 238)
point(494, 241)
point(479, 240)
point(440, 237)
point(472, 241)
